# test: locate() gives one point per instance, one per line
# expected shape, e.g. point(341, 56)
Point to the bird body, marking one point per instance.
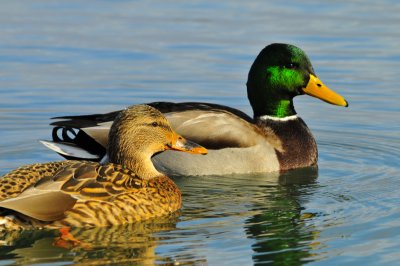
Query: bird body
point(89, 194)
point(274, 139)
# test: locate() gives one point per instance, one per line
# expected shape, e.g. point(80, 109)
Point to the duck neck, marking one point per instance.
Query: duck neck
point(140, 164)
point(265, 100)
point(143, 167)
point(274, 107)
point(280, 108)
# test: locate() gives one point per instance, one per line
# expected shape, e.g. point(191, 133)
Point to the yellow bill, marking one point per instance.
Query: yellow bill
point(317, 89)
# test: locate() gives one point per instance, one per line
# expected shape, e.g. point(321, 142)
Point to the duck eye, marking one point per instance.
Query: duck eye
point(290, 66)
point(154, 124)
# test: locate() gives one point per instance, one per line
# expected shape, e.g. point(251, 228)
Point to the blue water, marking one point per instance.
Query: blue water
point(82, 57)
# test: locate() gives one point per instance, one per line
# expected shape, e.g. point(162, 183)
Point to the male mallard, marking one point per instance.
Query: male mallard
point(274, 139)
point(81, 193)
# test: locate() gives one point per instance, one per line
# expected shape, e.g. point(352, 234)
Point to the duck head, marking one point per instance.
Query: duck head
point(279, 73)
point(138, 133)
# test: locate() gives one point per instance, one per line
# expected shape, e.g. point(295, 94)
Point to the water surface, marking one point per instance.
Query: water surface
point(77, 57)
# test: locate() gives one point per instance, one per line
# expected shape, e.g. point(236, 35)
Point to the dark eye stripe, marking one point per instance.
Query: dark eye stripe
point(155, 124)
point(164, 126)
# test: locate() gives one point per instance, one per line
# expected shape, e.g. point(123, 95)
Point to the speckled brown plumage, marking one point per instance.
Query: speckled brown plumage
point(117, 196)
point(104, 194)
point(16, 181)
point(88, 194)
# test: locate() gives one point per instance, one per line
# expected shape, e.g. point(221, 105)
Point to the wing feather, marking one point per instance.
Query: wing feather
point(215, 130)
point(40, 204)
point(51, 196)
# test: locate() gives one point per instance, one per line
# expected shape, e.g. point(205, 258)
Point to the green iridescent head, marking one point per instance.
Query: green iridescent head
point(279, 73)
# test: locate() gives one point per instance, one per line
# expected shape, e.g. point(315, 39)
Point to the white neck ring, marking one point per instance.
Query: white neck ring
point(274, 118)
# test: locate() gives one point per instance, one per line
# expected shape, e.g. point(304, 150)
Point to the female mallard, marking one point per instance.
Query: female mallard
point(274, 139)
point(81, 193)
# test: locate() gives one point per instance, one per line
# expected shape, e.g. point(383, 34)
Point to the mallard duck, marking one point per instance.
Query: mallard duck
point(275, 139)
point(83, 193)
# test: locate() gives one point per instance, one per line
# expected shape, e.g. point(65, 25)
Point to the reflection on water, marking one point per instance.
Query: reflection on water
point(279, 230)
point(122, 244)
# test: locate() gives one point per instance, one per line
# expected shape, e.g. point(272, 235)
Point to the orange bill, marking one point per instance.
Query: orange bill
point(317, 89)
point(179, 143)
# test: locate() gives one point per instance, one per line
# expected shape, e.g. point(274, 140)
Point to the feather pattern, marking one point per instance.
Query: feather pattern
point(79, 192)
